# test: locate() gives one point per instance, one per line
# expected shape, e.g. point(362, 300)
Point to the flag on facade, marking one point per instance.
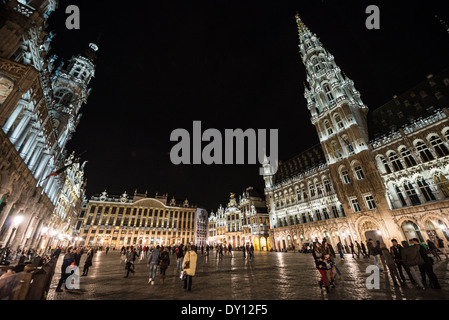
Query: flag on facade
point(57, 172)
point(349, 146)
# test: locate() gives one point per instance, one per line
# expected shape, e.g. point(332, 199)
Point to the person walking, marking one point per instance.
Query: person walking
point(165, 262)
point(433, 249)
point(320, 266)
point(153, 262)
point(426, 268)
point(391, 264)
point(413, 259)
point(67, 261)
point(189, 266)
point(230, 251)
point(251, 250)
point(107, 249)
point(358, 248)
point(365, 254)
point(129, 266)
point(381, 257)
point(396, 252)
point(340, 250)
point(88, 262)
point(442, 248)
point(207, 250)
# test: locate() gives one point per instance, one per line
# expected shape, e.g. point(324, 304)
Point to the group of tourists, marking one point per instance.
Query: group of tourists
point(159, 258)
point(413, 257)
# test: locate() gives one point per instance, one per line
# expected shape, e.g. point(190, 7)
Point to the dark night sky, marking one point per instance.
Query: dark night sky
point(231, 64)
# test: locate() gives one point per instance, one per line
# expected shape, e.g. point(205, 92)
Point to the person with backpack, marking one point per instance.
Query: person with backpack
point(164, 262)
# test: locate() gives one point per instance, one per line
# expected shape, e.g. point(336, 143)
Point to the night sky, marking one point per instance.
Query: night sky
point(230, 64)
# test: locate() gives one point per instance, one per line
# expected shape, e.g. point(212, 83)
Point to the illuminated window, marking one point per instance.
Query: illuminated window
point(408, 158)
point(424, 152)
point(439, 146)
point(370, 202)
point(394, 159)
point(442, 183)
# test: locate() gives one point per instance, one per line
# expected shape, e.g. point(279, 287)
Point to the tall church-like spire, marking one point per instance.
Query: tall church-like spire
point(334, 103)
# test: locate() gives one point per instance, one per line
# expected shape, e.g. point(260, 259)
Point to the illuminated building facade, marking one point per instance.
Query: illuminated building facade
point(243, 221)
point(379, 174)
point(39, 112)
point(121, 220)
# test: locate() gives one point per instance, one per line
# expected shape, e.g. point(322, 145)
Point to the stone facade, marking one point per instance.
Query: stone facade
point(379, 175)
point(39, 112)
point(243, 221)
point(118, 221)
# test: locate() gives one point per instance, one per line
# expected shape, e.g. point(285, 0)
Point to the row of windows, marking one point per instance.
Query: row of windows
point(315, 188)
point(139, 211)
point(414, 193)
point(406, 160)
point(357, 170)
point(139, 222)
point(369, 201)
point(317, 215)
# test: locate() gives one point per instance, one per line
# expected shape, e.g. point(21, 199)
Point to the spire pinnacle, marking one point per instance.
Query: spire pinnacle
point(302, 28)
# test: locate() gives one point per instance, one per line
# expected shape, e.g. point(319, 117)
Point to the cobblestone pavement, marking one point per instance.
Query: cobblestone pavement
point(269, 276)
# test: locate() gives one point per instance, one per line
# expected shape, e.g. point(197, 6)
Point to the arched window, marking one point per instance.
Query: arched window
point(312, 189)
point(328, 127)
point(423, 151)
point(411, 231)
point(338, 121)
point(425, 189)
point(400, 196)
point(345, 176)
point(439, 146)
point(411, 193)
point(408, 158)
point(385, 164)
point(298, 193)
point(396, 163)
point(327, 90)
point(63, 96)
point(359, 172)
point(442, 183)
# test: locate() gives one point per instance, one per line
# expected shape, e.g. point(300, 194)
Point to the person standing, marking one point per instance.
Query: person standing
point(433, 249)
point(320, 266)
point(442, 248)
point(153, 262)
point(427, 267)
point(340, 250)
point(251, 250)
point(413, 259)
point(396, 252)
point(230, 251)
point(391, 264)
point(77, 257)
point(373, 252)
point(165, 262)
point(189, 266)
point(68, 260)
point(179, 258)
point(88, 262)
point(107, 249)
point(207, 250)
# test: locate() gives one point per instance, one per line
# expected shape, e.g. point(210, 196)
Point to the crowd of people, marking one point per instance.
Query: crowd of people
point(159, 258)
point(413, 257)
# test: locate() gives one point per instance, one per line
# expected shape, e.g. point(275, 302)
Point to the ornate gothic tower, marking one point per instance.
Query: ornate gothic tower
point(70, 90)
point(339, 116)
